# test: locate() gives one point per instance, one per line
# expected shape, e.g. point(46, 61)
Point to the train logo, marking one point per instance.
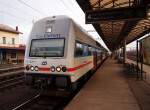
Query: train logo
point(44, 63)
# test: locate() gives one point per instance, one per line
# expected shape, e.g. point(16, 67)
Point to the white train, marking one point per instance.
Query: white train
point(60, 52)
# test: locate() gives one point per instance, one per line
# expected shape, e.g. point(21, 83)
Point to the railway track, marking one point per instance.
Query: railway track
point(44, 102)
point(43, 98)
point(11, 82)
point(52, 100)
point(10, 75)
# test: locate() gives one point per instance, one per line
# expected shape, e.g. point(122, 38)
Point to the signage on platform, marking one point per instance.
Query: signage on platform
point(115, 14)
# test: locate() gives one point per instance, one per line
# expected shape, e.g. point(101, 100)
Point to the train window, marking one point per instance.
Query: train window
point(78, 50)
point(47, 48)
point(97, 50)
point(90, 51)
point(85, 50)
point(93, 49)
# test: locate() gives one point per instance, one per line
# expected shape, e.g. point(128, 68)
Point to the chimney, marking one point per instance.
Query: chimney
point(16, 28)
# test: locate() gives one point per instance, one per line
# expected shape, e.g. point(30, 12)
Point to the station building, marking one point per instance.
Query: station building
point(11, 51)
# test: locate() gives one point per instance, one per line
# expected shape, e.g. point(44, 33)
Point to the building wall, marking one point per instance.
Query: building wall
point(18, 59)
point(9, 37)
point(19, 53)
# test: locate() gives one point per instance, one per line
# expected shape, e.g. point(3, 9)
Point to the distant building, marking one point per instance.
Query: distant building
point(11, 51)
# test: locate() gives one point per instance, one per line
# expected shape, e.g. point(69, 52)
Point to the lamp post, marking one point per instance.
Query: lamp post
point(137, 58)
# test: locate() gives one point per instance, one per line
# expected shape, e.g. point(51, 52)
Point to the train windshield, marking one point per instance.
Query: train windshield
point(47, 48)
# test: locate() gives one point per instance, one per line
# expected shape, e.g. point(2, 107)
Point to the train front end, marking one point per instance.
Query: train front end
point(45, 58)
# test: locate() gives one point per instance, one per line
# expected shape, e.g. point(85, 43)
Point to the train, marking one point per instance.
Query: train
point(60, 52)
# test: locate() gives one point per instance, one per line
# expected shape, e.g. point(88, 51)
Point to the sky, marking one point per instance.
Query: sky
point(23, 13)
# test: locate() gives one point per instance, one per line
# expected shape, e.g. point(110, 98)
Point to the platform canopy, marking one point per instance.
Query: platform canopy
point(117, 20)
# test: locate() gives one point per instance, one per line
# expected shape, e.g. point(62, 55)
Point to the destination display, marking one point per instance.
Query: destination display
point(47, 35)
point(52, 35)
point(146, 50)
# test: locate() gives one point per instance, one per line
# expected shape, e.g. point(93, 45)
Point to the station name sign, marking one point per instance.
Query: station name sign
point(127, 13)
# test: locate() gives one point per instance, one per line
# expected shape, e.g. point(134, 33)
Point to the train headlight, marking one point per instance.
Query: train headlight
point(31, 68)
point(64, 69)
point(36, 68)
point(52, 68)
point(27, 67)
point(58, 69)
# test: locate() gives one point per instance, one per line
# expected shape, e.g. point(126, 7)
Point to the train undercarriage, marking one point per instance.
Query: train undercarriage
point(60, 82)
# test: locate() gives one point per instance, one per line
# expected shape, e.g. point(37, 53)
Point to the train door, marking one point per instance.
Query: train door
point(95, 59)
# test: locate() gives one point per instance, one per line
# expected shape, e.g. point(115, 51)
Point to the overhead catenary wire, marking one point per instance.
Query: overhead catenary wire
point(36, 10)
point(10, 14)
point(14, 8)
point(21, 17)
point(69, 9)
point(65, 5)
point(99, 39)
point(71, 2)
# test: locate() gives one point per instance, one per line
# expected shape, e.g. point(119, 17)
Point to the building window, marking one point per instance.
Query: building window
point(13, 55)
point(13, 40)
point(4, 40)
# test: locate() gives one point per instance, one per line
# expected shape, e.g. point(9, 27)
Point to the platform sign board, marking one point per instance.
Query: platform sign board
point(95, 16)
point(146, 50)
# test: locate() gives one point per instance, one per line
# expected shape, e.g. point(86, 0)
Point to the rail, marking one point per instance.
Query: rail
point(4, 70)
point(11, 82)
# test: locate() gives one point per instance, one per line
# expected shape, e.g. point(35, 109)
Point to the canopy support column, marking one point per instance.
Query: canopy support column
point(124, 51)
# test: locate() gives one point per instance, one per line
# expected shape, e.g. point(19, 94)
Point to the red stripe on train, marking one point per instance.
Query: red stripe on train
point(78, 67)
point(68, 69)
point(44, 69)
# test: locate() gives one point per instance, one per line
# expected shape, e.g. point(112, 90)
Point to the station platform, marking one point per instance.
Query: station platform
point(107, 89)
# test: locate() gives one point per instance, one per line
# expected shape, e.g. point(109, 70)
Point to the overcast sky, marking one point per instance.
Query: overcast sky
point(23, 13)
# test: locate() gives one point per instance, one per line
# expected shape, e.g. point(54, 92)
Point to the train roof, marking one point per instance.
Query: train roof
point(58, 17)
point(66, 18)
